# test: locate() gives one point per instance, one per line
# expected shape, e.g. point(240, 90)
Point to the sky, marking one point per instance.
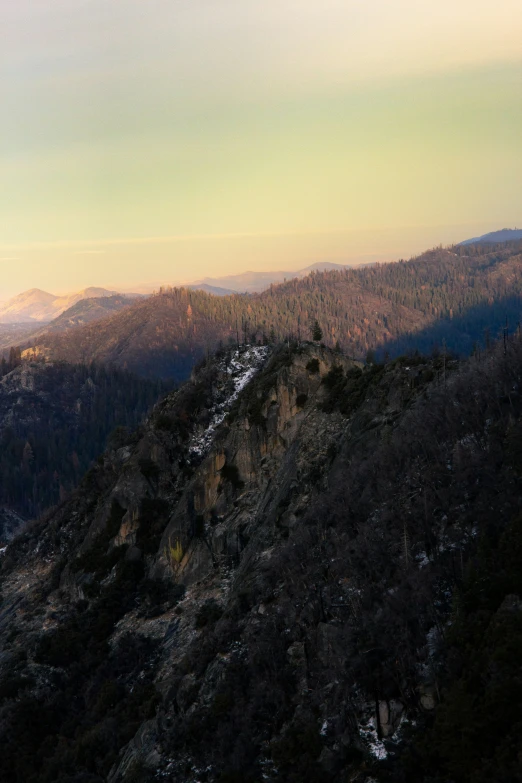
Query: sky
point(163, 141)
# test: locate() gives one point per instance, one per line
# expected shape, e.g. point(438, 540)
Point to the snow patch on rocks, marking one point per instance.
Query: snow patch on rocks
point(369, 733)
point(246, 361)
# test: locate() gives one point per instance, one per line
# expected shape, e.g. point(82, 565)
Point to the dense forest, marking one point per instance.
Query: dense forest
point(461, 296)
point(331, 592)
point(54, 421)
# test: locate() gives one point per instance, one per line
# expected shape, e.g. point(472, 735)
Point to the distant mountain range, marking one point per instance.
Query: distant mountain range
point(450, 295)
point(212, 289)
point(503, 235)
point(256, 282)
point(84, 312)
point(453, 295)
point(37, 306)
point(27, 317)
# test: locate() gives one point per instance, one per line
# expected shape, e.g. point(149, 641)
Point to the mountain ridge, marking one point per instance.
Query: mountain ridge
point(458, 293)
point(83, 312)
point(256, 282)
point(502, 235)
point(37, 306)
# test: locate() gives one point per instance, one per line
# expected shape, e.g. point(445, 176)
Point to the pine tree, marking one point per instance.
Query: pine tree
point(317, 332)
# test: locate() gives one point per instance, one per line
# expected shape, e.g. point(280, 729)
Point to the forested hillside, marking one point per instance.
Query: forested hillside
point(461, 296)
point(54, 421)
point(301, 570)
point(12, 335)
point(87, 311)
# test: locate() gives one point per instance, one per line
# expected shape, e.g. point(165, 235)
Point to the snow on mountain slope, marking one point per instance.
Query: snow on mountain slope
point(243, 366)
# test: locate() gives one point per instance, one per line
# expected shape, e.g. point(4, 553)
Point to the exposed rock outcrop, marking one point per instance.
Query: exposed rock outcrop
point(257, 586)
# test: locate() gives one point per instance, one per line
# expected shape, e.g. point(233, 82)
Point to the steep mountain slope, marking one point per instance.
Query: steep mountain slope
point(54, 421)
point(11, 524)
point(452, 295)
point(263, 584)
point(40, 306)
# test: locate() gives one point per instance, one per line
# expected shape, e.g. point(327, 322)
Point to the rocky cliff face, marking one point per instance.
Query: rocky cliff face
point(241, 493)
point(11, 524)
point(256, 585)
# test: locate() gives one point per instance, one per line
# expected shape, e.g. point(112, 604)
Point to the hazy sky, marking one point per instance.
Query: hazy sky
point(166, 140)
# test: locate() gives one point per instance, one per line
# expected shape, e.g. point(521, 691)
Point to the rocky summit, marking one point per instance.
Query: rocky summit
point(294, 571)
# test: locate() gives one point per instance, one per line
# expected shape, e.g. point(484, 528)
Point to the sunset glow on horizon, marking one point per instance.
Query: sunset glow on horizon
point(158, 142)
